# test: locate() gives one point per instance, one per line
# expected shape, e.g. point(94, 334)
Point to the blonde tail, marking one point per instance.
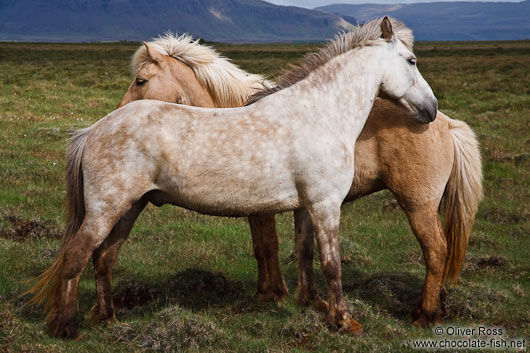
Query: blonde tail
point(461, 197)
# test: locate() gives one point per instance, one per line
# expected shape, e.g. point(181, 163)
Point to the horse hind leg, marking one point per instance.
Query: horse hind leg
point(104, 258)
point(426, 225)
point(74, 258)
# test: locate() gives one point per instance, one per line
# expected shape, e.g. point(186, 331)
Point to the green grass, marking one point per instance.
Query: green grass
point(184, 281)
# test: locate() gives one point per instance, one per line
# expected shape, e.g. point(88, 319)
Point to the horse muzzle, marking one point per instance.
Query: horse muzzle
point(427, 113)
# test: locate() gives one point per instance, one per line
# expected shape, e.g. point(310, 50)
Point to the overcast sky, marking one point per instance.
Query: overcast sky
point(314, 3)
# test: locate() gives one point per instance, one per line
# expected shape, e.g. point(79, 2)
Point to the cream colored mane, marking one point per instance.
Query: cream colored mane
point(368, 34)
point(229, 85)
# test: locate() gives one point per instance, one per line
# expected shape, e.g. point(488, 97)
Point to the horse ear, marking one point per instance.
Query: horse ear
point(386, 29)
point(152, 54)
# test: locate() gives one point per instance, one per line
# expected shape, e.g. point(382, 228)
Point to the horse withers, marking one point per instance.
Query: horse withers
point(290, 150)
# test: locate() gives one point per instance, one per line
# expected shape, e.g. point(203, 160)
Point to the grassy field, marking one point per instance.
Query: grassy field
point(184, 281)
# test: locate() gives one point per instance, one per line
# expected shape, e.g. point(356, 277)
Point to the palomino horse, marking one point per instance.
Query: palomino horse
point(291, 150)
point(422, 165)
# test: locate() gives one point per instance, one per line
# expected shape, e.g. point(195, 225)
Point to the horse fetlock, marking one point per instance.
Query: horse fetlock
point(280, 290)
point(319, 304)
point(272, 290)
point(63, 329)
point(98, 316)
point(271, 295)
point(425, 318)
point(342, 322)
point(350, 326)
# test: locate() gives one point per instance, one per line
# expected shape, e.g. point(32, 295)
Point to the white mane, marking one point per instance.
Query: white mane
point(229, 85)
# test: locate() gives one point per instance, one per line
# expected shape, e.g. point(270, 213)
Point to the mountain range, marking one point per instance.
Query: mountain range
point(215, 20)
point(450, 20)
point(250, 20)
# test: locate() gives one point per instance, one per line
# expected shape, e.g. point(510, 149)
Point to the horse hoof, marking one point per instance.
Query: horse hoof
point(421, 322)
point(319, 304)
point(415, 314)
point(350, 327)
point(346, 325)
point(96, 317)
point(422, 319)
point(272, 296)
point(316, 303)
point(68, 331)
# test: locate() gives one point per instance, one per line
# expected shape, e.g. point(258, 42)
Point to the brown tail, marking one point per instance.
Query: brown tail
point(46, 290)
point(461, 197)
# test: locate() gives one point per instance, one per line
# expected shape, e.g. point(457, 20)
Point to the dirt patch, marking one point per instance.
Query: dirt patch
point(492, 261)
point(481, 239)
point(130, 294)
point(20, 230)
point(512, 158)
point(192, 287)
point(520, 231)
point(474, 263)
point(197, 282)
point(394, 292)
point(500, 215)
point(515, 323)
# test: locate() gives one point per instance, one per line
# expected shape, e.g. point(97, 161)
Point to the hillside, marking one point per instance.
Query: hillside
point(111, 20)
point(451, 20)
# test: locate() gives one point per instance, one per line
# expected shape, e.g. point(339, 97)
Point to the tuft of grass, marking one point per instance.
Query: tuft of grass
point(172, 329)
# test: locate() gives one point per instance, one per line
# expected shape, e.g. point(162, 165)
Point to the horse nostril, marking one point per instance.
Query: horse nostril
point(433, 110)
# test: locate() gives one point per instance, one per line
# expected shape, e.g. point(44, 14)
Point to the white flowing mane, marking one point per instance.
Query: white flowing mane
point(229, 85)
point(365, 35)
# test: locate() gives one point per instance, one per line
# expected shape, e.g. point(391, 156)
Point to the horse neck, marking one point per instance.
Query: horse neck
point(340, 94)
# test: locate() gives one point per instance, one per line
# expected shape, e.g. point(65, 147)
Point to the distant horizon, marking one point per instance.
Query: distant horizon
point(311, 4)
point(96, 20)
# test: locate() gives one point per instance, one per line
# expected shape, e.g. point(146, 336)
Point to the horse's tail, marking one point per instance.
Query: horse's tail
point(46, 290)
point(462, 195)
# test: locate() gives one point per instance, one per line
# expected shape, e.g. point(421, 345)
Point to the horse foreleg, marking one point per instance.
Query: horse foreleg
point(271, 285)
point(304, 239)
point(104, 258)
point(75, 256)
point(326, 219)
point(426, 225)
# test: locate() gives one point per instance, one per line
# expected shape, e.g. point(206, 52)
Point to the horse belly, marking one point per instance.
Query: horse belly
point(218, 191)
point(238, 200)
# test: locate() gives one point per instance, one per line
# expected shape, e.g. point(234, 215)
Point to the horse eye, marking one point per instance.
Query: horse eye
point(412, 61)
point(140, 81)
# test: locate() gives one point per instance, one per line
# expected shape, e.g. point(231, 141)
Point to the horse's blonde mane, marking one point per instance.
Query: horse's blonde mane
point(229, 85)
point(368, 34)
